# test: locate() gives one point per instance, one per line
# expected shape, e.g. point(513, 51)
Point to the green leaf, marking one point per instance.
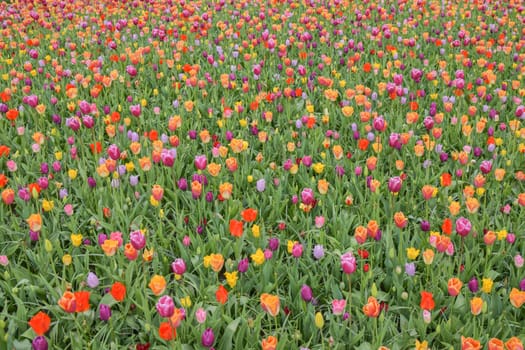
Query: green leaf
point(227, 337)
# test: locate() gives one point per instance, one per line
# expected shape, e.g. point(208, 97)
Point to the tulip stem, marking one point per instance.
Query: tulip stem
point(349, 301)
point(460, 254)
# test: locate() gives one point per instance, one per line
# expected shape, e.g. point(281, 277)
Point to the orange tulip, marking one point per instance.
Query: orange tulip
point(427, 301)
point(427, 191)
point(249, 214)
point(360, 234)
point(157, 284)
point(400, 219)
point(40, 323)
point(514, 343)
point(166, 331)
point(110, 247)
point(11, 114)
point(216, 262)
point(118, 291)
point(82, 301)
point(454, 286)
point(446, 226)
point(35, 222)
point(517, 297)
point(236, 228)
point(221, 294)
point(469, 344)
point(270, 303)
point(476, 304)
point(372, 307)
point(495, 344)
point(269, 343)
point(67, 302)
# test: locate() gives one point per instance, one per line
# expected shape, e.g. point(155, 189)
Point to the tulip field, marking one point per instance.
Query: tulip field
point(276, 174)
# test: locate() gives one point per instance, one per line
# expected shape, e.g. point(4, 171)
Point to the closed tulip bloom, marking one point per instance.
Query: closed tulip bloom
point(476, 304)
point(39, 343)
point(178, 266)
point(200, 315)
point(463, 226)
point(165, 306)
point(92, 280)
point(372, 307)
point(297, 250)
point(394, 184)
point(137, 239)
point(306, 293)
point(104, 312)
point(348, 263)
point(454, 286)
point(473, 285)
point(208, 338)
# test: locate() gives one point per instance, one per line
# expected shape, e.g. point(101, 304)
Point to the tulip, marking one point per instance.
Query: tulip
point(200, 315)
point(137, 239)
point(306, 293)
point(178, 266)
point(463, 226)
point(394, 184)
point(39, 343)
point(208, 338)
point(92, 280)
point(348, 263)
point(165, 306)
point(104, 312)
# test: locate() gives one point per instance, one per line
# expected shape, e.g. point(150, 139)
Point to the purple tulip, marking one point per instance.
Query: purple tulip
point(410, 269)
point(306, 293)
point(84, 107)
point(394, 184)
point(91, 182)
point(208, 338)
point(463, 226)
point(73, 123)
point(307, 196)
point(243, 265)
point(165, 306)
point(137, 240)
point(168, 157)
point(318, 251)
point(200, 162)
point(135, 110)
point(261, 185)
point(113, 152)
point(379, 124)
point(39, 343)
point(92, 280)
point(425, 226)
point(348, 263)
point(297, 250)
point(473, 285)
point(34, 235)
point(182, 184)
point(178, 266)
point(485, 166)
point(104, 312)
